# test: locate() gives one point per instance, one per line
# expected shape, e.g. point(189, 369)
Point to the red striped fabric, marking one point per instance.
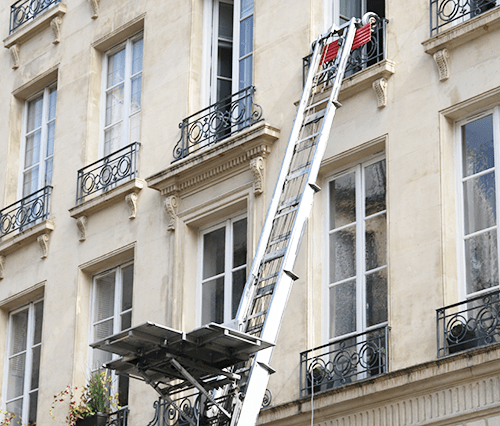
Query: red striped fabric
point(361, 37)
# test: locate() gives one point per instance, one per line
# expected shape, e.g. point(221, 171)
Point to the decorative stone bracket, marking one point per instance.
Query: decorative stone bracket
point(171, 208)
point(442, 60)
point(52, 18)
point(43, 240)
point(380, 87)
point(94, 5)
point(2, 267)
point(128, 191)
point(257, 168)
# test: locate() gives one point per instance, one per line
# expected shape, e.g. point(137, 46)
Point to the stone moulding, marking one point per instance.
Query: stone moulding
point(257, 168)
point(43, 240)
point(14, 53)
point(380, 87)
point(127, 191)
point(2, 267)
point(52, 17)
point(171, 208)
point(441, 58)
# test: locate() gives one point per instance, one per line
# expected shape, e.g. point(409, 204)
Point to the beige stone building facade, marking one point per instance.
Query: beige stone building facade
point(140, 143)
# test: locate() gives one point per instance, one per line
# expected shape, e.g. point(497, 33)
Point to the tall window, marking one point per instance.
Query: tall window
point(223, 269)
point(478, 181)
point(112, 313)
point(231, 55)
point(38, 141)
point(341, 11)
point(122, 87)
point(23, 362)
point(357, 282)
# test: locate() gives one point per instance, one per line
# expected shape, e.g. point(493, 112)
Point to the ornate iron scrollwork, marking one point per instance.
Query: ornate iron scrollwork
point(25, 10)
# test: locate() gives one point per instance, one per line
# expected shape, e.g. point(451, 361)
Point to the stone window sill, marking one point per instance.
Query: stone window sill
point(32, 28)
point(246, 150)
point(14, 242)
point(464, 32)
point(128, 191)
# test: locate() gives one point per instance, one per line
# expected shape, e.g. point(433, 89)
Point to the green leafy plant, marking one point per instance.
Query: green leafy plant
point(7, 418)
point(96, 397)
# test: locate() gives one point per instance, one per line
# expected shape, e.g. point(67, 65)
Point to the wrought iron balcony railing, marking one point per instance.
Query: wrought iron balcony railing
point(25, 10)
point(468, 324)
point(118, 418)
point(338, 363)
point(360, 58)
point(217, 122)
point(446, 13)
point(25, 212)
point(105, 173)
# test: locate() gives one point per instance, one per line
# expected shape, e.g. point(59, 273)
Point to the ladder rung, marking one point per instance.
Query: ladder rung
point(297, 174)
point(277, 216)
point(300, 167)
point(315, 104)
point(306, 146)
point(290, 202)
point(258, 314)
point(267, 293)
point(307, 138)
point(314, 117)
point(274, 255)
point(278, 239)
point(255, 328)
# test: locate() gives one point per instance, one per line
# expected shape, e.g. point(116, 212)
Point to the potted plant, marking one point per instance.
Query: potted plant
point(7, 418)
point(95, 404)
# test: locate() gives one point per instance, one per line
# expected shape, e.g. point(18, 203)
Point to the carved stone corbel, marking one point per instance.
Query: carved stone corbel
point(94, 4)
point(55, 24)
point(2, 266)
point(14, 53)
point(171, 208)
point(43, 240)
point(257, 168)
point(380, 87)
point(441, 58)
point(131, 200)
point(81, 222)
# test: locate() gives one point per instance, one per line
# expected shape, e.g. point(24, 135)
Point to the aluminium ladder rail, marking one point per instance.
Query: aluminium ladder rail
point(270, 278)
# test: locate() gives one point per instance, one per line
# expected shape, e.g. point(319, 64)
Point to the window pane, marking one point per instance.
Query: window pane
point(104, 298)
point(246, 8)
point(350, 8)
point(35, 108)
point(226, 20)
point(342, 201)
point(343, 254)
point(376, 297)
point(239, 278)
point(103, 329)
point(240, 243)
point(116, 68)
point(225, 58)
point(137, 49)
point(214, 252)
point(52, 103)
point(30, 181)
point(375, 188)
point(32, 153)
point(126, 320)
point(213, 301)
point(481, 261)
point(135, 128)
point(114, 105)
point(245, 77)
point(128, 287)
point(33, 408)
point(50, 139)
point(477, 146)
point(246, 36)
point(17, 366)
point(135, 103)
point(376, 242)
point(19, 330)
point(223, 90)
point(99, 358)
point(48, 172)
point(112, 139)
point(15, 407)
point(37, 336)
point(35, 367)
point(479, 203)
point(123, 385)
point(342, 308)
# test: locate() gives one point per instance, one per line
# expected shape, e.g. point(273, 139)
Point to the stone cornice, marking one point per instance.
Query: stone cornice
point(14, 242)
point(216, 162)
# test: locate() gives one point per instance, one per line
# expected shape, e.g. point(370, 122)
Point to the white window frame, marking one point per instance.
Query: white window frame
point(361, 272)
point(127, 91)
point(461, 261)
point(43, 140)
point(210, 41)
point(28, 360)
point(117, 312)
point(228, 269)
